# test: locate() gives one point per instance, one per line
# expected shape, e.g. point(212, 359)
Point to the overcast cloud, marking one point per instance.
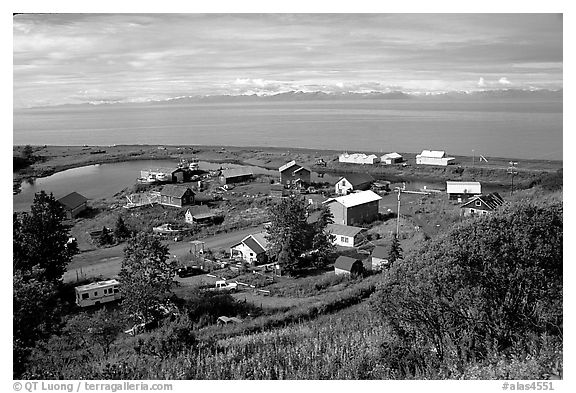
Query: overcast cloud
point(71, 58)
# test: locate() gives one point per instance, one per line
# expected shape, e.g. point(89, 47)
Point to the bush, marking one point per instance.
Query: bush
point(170, 339)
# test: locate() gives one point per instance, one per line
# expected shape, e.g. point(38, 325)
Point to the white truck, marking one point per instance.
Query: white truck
point(224, 286)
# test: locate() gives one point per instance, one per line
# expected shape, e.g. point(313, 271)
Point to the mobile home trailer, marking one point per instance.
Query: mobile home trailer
point(97, 292)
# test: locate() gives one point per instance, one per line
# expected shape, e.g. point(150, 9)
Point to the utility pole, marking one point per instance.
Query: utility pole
point(512, 171)
point(473, 158)
point(398, 213)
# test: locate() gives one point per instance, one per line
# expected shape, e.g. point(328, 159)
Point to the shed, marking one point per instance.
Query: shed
point(73, 204)
point(463, 189)
point(251, 249)
point(235, 175)
point(379, 257)
point(353, 182)
point(344, 235)
point(391, 158)
point(482, 204)
point(356, 208)
point(199, 214)
point(347, 265)
point(172, 195)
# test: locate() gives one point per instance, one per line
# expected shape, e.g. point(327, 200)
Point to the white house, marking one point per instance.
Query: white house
point(463, 189)
point(359, 158)
point(353, 182)
point(433, 157)
point(379, 258)
point(251, 248)
point(391, 158)
point(356, 208)
point(344, 235)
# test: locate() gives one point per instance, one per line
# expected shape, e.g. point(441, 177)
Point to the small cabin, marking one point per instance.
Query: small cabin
point(97, 293)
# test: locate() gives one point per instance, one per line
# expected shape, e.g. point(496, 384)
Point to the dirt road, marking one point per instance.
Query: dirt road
point(107, 262)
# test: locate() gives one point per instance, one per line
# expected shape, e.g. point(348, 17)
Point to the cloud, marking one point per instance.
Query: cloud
point(504, 81)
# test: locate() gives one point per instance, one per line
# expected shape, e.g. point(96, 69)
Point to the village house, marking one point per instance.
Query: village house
point(235, 175)
point(348, 266)
point(178, 196)
point(199, 215)
point(251, 249)
point(391, 158)
point(169, 175)
point(461, 190)
point(358, 158)
point(73, 204)
point(292, 174)
point(344, 235)
point(356, 208)
point(482, 205)
point(433, 157)
point(353, 182)
point(379, 258)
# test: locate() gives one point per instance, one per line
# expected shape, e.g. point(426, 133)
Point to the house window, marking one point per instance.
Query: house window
point(96, 293)
point(116, 290)
point(478, 203)
point(344, 183)
point(343, 239)
point(85, 296)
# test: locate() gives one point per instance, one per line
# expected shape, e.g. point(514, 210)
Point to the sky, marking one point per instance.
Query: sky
point(79, 58)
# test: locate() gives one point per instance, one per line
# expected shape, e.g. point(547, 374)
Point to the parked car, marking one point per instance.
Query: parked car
point(188, 271)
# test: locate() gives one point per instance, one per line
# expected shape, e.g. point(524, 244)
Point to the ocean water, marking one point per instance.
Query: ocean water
point(522, 129)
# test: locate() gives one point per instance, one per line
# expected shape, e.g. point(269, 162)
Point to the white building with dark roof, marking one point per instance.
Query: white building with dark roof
point(344, 235)
point(251, 249)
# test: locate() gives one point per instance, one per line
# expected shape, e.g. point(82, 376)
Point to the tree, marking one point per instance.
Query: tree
point(489, 285)
point(40, 238)
point(146, 276)
point(121, 231)
point(292, 240)
point(101, 329)
point(105, 237)
point(28, 153)
point(395, 251)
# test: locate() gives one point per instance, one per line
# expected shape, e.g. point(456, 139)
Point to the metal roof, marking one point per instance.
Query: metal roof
point(288, 165)
point(357, 178)
point(165, 170)
point(380, 252)
point(237, 172)
point(492, 201)
point(345, 263)
point(72, 200)
point(356, 198)
point(175, 191)
point(392, 155)
point(256, 242)
point(97, 285)
point(343, 230)
point(463, 187)
point(433, 153)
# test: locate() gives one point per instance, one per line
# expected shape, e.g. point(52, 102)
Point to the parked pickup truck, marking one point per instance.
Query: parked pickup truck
point(224, 286)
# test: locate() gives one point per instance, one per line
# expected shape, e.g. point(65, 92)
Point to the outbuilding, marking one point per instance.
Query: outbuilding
point(178, 196)
point(251, 249)
point(73, 204)
point(353, 182)
point(463, 189)
point(391, 158)
point(235, 175)
point(433, 157)
point(292, 174)
point(348, 266)
point(482, 205)
point(356, 208)
point(358, 158)
point(344, 235)
point(379, 258)
point(199, 215)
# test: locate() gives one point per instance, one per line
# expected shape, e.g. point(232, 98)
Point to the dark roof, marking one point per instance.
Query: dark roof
point(253, 245)
point(357, 178)
point(175, 191)
point(345, 263)
point(237, 172)
point(492, 200)
point(72, 200)
point(380, 252)
point(199, 212)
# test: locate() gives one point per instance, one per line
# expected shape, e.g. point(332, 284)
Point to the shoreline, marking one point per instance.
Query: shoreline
point(54, 159)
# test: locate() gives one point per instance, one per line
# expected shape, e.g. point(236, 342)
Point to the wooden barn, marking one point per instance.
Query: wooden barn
point(235, 175)
point(292, 174)
point(356, 208)
point(178, 196)
point(73, 204)
point(347, 265)
point(482, 205)
point(353, 182)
